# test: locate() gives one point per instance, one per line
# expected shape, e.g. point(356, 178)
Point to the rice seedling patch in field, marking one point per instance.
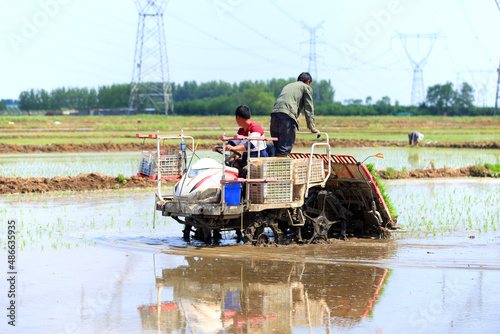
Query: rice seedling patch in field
point(431, 208)
point(69, 219)
point(71, 164)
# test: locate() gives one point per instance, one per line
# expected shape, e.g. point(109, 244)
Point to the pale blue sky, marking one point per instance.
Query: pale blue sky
point(91, 43)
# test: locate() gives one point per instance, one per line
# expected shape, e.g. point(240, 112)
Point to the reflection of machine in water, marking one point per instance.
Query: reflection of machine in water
point(242, 295)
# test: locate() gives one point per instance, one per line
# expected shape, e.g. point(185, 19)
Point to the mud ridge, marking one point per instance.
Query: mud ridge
point(469, 171)
point(82, 182)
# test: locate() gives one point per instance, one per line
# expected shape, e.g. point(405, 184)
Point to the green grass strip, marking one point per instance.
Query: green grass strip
point(383, 191)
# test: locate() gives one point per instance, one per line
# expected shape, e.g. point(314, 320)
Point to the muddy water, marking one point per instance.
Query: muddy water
point(92, 262)
point(72, 164)
point(420, 157)
point(127, 163)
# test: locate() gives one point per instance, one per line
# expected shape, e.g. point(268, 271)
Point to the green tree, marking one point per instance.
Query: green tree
point(221, 105)
point(114, 96)
point(213, 89)
point(43, 99)
point(325, 89)
point(276, 85)
point(188, 91)
point(441, 97)
point(383, 106)
point(193, 107)
point(261, 103)
point(384, 101)
point(3, 105)
point(29, 100)
point(464, 101)
point(92, 100)
point(353, 102)
point(58, 99)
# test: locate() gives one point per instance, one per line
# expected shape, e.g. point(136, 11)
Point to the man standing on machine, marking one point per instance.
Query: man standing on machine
point(285, 115)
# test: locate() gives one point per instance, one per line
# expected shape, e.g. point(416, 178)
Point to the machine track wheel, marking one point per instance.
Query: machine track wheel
point(321, 226)
point(263, 232)
point(320, 212)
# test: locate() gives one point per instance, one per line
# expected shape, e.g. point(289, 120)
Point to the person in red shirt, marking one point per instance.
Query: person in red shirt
point(248, 128)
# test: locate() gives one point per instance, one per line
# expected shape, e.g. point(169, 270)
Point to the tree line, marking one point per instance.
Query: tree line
point(221, 98)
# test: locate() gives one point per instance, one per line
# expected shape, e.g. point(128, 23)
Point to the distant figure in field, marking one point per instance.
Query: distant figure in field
point(414, 137)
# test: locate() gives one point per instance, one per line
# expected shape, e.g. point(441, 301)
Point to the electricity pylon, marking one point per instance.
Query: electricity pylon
point(150, 87)
point(313, 68)
point(481, 79)
point(417, 89)
point(498, 85)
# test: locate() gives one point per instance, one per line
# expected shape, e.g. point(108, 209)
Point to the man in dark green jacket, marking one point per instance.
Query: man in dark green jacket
point(285, 115)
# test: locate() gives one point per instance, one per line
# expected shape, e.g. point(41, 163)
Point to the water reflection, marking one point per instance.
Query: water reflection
point(218, 294)
point(415, 160)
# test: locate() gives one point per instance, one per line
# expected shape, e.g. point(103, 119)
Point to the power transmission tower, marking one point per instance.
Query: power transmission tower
point(150, 85)
point(417, 89)
point(312, 68)
point(498, 84)
point(481, 79)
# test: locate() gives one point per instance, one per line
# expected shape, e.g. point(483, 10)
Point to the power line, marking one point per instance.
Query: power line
point(233, 46)
point(284, 12)
point(249, 27)
point(474, 30)
point(369, 65)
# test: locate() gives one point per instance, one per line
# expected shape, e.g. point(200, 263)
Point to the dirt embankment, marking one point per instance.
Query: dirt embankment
point(97, 181)
point(82, 182)
point(131, 147)
point(473, 171)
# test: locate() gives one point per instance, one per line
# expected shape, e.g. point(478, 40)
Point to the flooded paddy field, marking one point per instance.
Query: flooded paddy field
point(92, 262)
point(127, 163)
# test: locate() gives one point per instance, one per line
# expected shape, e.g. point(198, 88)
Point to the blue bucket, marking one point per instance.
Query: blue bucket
point(233, 193)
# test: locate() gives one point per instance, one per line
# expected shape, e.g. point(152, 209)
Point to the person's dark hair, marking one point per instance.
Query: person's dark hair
point(243, 112)
point(304, 77)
